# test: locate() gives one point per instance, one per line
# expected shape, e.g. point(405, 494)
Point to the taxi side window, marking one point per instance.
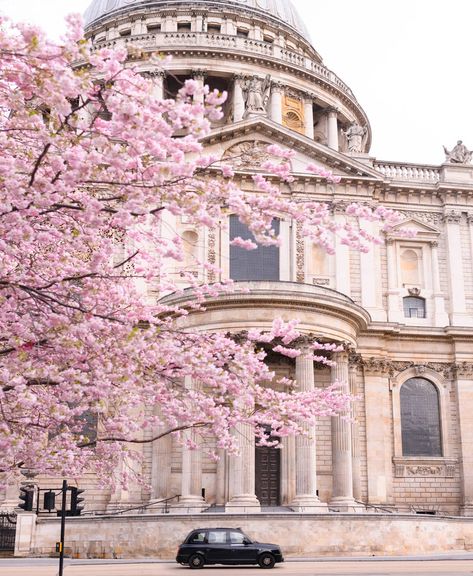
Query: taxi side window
point(237, 538)
point(197, 537)
point(217, 537)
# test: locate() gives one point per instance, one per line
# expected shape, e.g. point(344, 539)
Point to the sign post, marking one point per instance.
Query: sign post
point(63, 527)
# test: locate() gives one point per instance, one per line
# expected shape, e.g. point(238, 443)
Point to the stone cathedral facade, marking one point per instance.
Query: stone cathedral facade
point(403, 311)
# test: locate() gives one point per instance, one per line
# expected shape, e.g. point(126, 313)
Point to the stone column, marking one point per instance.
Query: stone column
point(440, 314)
point(464, 377)
point(355, 437)
point(158, 83)
point(342, 471)
point(191, 500)
point(306, 499)
point(161, 469)
point(332, 125)
point(309, 116)
point(379, 448)
point(25, 533)
point(276, 102)
point(242, 474)
point(199, 77)
point(238, 101)
point(456, 276)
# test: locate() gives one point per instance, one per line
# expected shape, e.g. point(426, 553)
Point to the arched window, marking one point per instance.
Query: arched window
point(410, 260)
point(259, 264)
point(414, 307)
point(319, 261)
point(420, 418)
point(189, 241)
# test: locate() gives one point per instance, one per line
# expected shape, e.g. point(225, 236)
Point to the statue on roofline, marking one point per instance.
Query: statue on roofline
point(459, 154)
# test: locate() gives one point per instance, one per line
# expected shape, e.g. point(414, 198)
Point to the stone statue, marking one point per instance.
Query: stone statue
point(256, 94)
point(459, 155)
point(355, 135)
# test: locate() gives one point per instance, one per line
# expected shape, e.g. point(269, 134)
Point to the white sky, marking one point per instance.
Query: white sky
point(407, 61)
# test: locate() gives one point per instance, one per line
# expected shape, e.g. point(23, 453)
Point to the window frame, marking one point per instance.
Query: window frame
point(443, 390)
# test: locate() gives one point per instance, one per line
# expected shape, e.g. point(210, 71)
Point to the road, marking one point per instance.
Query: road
point(370, 567)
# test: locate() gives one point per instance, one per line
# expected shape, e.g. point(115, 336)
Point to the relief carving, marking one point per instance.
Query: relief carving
point(211, 255)
point(424, 470)
point(452, 217)
point(249, 154)
point(300, 255)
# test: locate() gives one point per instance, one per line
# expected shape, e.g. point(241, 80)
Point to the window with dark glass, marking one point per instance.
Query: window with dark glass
point(420, 418)
point(259, 264)
point(414, 307)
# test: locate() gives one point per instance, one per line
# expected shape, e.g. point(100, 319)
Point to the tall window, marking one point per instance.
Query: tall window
point(420, 418)
point(414, 307)
point(410, 266)
point(259, 264)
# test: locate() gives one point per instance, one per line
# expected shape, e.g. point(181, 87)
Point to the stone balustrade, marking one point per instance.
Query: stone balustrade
point(408, 172)
point(162, 40)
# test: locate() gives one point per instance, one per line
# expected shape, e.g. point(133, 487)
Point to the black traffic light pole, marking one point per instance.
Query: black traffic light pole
point(63, 527)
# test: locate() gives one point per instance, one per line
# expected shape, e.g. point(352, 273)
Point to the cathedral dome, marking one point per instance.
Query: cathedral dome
point(281, 10)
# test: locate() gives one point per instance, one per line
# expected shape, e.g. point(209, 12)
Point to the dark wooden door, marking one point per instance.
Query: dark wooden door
point(268, 474)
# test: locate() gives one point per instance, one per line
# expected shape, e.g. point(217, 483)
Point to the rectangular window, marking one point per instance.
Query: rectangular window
point(153, 28)
point(183, 26)
point(214, 28)
point(259, 264)
point(242, 33)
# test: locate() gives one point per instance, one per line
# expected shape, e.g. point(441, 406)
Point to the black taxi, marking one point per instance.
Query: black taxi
point(225, 546)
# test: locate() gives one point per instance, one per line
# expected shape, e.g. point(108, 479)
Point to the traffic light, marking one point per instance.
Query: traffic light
point(26, 498)
point(76, 502)
point(49, 500)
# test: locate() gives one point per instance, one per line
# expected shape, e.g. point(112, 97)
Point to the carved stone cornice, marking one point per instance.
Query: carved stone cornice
point(452, 217)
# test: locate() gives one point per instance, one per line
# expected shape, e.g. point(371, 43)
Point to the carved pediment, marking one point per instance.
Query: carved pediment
point(423, 231)
point(248, 154)
point(248, 139)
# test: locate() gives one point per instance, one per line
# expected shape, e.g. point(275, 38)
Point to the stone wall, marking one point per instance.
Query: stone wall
point(300, 535)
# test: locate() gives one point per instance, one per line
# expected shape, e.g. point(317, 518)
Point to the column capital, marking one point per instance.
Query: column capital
point(199, 74)
point(434, 244)
point(277, 86)
point(470, 218)
point(331, 111)
point(153, 73)
point(379, 366)
point(452, 217)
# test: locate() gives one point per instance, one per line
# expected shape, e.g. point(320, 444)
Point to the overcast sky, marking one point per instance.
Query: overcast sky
point(407, 61)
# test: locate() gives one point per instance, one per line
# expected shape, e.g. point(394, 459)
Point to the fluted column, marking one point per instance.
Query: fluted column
point(332, 124)
point(342, 254)
point(309, 117)
point(458, 311)
point(342, 471)
point(238, 100)
point(199, 77)
point(191, 471)
point(355, 438)
point(276, 102)
point(306, 499)
point(158, 83)
point(242, 473)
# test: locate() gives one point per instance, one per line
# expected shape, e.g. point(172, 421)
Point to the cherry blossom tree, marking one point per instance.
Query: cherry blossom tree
point(90, 162)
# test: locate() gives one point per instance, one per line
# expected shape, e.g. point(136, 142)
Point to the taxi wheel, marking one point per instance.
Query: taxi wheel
point(196, 561)
point(266, 560)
